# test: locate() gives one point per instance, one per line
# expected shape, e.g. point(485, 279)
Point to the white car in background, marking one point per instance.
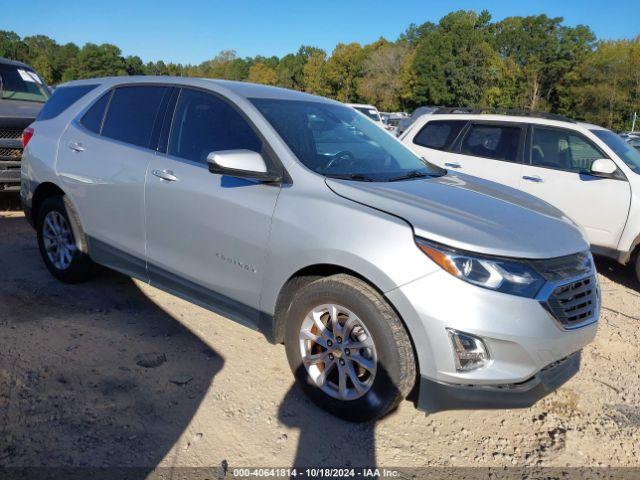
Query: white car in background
point(368, 110)
point(588, 172)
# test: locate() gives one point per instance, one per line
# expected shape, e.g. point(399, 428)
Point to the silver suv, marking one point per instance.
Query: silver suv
point(297, 216)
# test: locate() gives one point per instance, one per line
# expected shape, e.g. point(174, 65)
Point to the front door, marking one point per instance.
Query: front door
point(207, 234)
point(558, 172)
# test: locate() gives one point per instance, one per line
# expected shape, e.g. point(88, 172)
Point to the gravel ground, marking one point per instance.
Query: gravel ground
point(116, 373)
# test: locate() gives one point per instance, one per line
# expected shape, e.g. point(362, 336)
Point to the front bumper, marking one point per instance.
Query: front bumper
point(522, 337)
point(435, 397)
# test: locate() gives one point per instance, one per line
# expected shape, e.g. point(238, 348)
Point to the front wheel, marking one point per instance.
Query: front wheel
point(348, 349)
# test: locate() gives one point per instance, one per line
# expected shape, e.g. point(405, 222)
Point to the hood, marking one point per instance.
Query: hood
point(471, 214)
point(19, 109)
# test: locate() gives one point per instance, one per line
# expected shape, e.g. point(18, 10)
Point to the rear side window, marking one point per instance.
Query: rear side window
point(439, 134)
point(204, 123)
point(498, 142)
point(63, 98)
point(92, 120)
point(132, 114)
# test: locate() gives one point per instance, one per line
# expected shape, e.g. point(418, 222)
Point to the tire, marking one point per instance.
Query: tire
point(369, 320)
point(53, 222)
point(637, 266)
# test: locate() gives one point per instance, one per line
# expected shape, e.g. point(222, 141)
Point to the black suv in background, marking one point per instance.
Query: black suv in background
point(22, 95)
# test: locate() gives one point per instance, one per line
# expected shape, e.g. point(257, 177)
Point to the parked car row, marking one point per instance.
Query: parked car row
point(295, 215)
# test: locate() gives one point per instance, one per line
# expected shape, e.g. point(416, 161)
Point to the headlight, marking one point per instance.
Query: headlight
point(503, 275)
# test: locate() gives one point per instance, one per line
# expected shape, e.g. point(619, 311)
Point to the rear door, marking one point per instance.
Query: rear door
point(491, 150)
point(207, 234)
point(435, 139)
point(557, 171)
point(102, 160)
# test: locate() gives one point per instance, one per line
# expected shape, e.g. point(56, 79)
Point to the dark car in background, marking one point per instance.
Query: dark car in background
point(22, 95)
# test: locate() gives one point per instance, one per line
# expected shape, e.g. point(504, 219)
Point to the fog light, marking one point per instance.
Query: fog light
point(470, 352)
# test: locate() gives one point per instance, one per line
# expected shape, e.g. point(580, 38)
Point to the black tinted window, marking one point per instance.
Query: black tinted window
point(203, 123)
point(132, 114)
point(62, 99)
point(439, 134)
point(561, 149)
point(499, 142)
point(92, 120)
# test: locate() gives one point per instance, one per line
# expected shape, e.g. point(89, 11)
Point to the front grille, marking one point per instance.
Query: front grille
point(10, 153)
point(574, 304)
point(12, 133)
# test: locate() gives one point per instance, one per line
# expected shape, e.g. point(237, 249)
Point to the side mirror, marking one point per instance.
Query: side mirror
point(604, 167)
point(242, 164)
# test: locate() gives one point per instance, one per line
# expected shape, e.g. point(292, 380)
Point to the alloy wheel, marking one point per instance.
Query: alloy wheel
point(338, 352)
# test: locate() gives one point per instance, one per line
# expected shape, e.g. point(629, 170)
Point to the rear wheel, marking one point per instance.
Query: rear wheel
point(58, 246)
point(348, 349)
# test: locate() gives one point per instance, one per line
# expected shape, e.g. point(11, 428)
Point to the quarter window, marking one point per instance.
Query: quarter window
point(62, 99)
point(439, 134)
point(499, 142)
point(132, 114)
point(203, 123)
point(92, 120)
point(562, 150)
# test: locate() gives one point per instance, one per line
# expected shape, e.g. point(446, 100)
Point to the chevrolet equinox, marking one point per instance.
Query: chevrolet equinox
point(384, 275)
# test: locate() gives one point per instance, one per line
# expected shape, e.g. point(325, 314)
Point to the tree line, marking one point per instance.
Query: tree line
point(466, 59)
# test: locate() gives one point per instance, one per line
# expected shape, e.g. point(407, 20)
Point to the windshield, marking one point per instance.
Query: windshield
point(370, 112)
point(334, 140)
point(18, 83)
point(626, 152)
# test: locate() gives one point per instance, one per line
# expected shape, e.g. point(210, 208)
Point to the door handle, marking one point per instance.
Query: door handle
point(532, 178)
point(75, 146)
point(165, 175)
point(453, 165)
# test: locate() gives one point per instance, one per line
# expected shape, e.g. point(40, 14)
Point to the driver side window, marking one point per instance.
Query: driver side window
point(562, 150)
point(204, 123)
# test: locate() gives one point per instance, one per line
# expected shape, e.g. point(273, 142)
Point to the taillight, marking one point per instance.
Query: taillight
point(26, 136)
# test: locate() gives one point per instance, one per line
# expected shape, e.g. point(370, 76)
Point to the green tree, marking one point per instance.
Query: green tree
point(134, 65)
point(452, 63)
point(605, 89)
point(100, 61)
point(262, 73)
point(381, 83)
point(315, 74)
point(343, 71)
point(545, 51)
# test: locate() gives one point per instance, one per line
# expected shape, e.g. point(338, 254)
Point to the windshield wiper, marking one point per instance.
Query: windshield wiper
point(411, 174)
point(350, 176)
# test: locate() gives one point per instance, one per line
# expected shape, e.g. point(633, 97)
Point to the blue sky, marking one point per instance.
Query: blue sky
point(193, 31)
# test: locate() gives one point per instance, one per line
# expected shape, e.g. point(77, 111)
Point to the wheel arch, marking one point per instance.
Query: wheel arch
point(49, 189)
point(42, 192)
point(308, 274)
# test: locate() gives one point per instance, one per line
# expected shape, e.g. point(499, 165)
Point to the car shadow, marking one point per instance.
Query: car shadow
point(9, 202)
point(91, 375)
point(325, 440)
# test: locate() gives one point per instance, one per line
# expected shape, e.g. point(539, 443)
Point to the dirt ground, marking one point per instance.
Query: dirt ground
point(73, 391)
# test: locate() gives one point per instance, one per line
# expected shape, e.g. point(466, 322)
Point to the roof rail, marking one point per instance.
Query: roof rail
point(497, 111)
